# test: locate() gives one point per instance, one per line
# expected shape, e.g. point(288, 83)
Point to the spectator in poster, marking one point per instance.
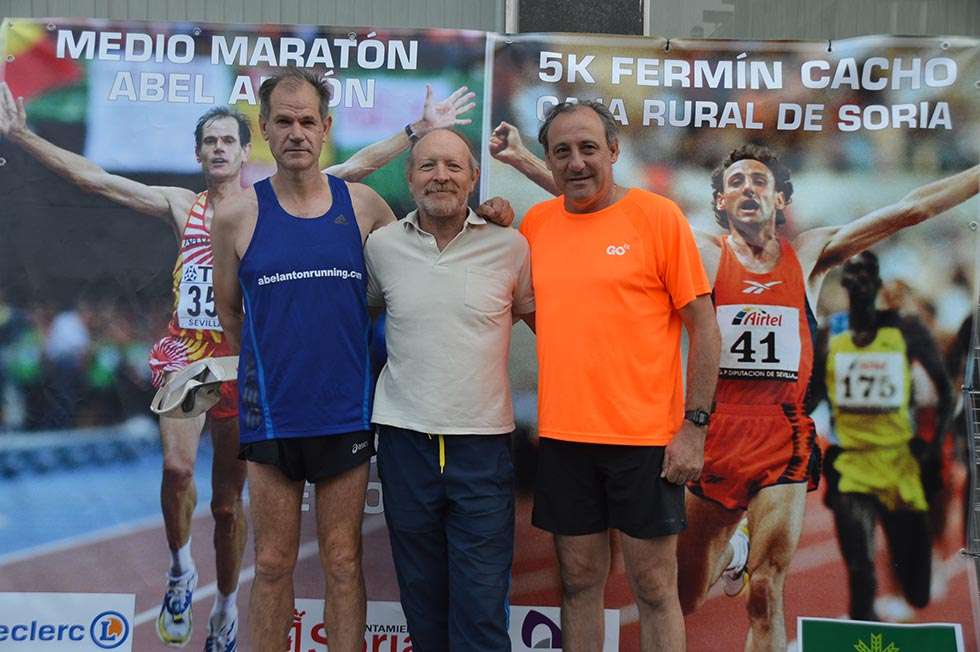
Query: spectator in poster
point(759, 454)
point(450, 282)
point(222, 146)
point(616, 275)
point(876, 469)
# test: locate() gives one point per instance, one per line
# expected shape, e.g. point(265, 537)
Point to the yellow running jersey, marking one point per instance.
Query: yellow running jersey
point(870, 389)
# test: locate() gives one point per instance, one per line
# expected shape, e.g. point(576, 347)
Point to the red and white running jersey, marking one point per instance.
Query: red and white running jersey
point(766, 340)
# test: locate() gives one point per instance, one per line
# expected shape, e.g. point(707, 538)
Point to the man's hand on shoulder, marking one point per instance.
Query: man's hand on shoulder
point(497, 210)
point(684, 455)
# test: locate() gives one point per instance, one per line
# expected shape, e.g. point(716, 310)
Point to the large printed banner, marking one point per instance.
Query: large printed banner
point(875, 136)
point(531, 628)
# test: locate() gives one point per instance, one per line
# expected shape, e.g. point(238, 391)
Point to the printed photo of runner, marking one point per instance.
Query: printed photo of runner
point(831, 192)
point(105, 127)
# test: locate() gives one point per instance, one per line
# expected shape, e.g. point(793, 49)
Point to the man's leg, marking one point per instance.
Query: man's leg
point(339, 512)
point(702, 549)
point(275, 502)
point(855, 516)
point(178, 493)
point(651, 566)
point(775, 521)
point(415, 500)
point(480, 540)
point(583, 562)
point(910, 546)
point(178, 496)
point(227, 481)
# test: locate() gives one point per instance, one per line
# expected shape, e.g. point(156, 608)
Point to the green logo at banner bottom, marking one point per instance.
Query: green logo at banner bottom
point(823, 635)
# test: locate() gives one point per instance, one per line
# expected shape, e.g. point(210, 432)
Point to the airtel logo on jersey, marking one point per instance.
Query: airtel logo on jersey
point(617, 250)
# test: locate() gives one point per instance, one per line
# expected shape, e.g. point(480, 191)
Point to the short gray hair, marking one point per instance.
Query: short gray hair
point(608, 121)
point(294, 74)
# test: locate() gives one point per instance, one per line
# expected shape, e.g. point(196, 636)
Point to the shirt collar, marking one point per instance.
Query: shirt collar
point(412, 219)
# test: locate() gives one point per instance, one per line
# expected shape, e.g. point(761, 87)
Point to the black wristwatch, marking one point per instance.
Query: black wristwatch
point(412, 136)
point(697, 417)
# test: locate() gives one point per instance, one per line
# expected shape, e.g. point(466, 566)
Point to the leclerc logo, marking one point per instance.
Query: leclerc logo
point(109, 630)
point(617, 250)
point(540, 632)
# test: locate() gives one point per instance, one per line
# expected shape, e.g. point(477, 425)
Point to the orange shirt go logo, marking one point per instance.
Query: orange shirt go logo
point(617, 250)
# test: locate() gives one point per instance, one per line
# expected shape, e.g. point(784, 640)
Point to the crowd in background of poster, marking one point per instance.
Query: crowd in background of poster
point(85, 284)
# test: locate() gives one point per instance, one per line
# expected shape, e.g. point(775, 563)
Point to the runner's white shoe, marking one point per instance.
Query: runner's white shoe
point(222, 632)
point(174, 622)
point(735, 578)
point(894, 609)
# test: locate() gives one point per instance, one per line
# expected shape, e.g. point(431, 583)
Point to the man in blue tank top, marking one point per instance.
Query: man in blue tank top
point(290, 290)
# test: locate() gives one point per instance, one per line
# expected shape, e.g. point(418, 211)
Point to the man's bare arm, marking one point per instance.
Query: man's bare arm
point(836, 244)
point(507, 146)
point(684, 456)
point(372, 211)
point(922, 347)
point(435, 115)
point(169, 203)
point(229, 217)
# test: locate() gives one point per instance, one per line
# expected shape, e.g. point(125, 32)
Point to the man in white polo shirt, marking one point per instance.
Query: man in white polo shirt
point(453, 285)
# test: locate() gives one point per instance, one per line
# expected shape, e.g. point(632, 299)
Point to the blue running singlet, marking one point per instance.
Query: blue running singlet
point(304, 368)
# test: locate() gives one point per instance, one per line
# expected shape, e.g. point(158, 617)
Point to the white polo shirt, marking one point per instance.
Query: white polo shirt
point(448, 325)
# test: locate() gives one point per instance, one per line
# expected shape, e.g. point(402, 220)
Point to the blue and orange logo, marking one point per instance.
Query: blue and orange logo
point(109, 630)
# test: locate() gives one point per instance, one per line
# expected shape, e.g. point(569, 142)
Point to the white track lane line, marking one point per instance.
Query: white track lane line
point(98, 536)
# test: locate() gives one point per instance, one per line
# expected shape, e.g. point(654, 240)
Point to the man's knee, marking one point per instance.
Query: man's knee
point(342, 564)
point(178, 473)
point(581, 576)
point(655, 586)
point(226, 511)
point(765, 591)
point(274, 564)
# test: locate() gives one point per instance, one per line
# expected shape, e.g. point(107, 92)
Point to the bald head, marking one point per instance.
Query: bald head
point(474, 165)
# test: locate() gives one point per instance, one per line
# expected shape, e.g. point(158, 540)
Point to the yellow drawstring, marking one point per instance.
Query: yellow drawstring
point(442, 452)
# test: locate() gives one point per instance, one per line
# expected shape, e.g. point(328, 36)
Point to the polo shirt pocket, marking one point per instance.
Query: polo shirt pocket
point(486, 291)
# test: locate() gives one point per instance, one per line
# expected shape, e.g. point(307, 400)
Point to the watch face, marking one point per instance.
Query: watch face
point(697, 417)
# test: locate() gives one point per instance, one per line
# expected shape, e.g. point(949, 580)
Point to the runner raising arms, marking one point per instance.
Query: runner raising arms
point(222, 146)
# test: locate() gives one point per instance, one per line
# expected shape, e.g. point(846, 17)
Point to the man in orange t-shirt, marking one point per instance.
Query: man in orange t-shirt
point(616, 274)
